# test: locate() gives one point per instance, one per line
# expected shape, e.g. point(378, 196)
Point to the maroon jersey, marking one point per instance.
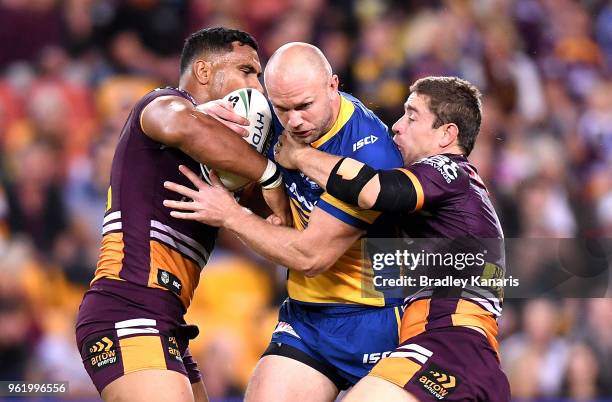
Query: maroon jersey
point(141, 242)
point(453, 203)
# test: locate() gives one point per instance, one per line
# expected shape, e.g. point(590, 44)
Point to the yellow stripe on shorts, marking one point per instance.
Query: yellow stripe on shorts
point(141, 353)
point(397, 370)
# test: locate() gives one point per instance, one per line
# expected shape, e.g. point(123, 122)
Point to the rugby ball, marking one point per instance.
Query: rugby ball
point(253, 105)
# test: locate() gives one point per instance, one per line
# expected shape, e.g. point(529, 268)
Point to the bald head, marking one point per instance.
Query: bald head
point(303, 91)
point(297, 61)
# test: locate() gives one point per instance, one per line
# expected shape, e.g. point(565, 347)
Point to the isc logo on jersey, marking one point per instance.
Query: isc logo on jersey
point(253, 105)
point(370, 139)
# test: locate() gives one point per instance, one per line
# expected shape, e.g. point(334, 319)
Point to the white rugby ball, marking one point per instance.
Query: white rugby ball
point(253, 105)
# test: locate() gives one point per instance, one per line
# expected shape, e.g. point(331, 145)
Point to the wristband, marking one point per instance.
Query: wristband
point(271, 177)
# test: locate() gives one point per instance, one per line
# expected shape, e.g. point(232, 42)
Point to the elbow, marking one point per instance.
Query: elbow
point(366, 203)
point(369, 193)
point(314, 266)
point(311, 272)
point(309, 258)
point(366, 200)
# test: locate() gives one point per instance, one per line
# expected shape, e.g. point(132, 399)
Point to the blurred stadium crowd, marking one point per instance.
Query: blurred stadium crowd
point(71, 70)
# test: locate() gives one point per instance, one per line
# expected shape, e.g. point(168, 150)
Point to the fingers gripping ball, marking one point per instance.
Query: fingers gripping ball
point(253, 105)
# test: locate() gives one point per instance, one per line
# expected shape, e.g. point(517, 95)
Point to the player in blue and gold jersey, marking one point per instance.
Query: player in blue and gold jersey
point(448, 349)
point(130, 328)
point(332, 329)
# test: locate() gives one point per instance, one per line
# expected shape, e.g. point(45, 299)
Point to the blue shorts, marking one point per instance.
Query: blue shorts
point(341, 342)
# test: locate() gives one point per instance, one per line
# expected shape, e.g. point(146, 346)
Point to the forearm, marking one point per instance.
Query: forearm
point(316, 165)
point(345, 181)
point(280, 244)
point(310, 251)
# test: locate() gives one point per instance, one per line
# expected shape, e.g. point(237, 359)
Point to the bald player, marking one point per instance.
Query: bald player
point(448, 349)
point(130, 328)
point(331, 329)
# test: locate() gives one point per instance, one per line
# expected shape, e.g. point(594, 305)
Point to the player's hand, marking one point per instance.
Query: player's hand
point(210, 204)
point(277, 200)
point(223, 111)
point(287, 151)
point(275, 220)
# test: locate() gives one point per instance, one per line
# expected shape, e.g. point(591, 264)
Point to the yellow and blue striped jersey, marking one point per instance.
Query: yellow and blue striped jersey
point(358, 134)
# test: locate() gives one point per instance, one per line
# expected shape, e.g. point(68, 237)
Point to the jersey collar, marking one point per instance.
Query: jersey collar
point(187, 94)
point(346, 111)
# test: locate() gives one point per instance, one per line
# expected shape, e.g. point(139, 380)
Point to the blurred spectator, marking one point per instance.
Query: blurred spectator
point(536, 358)
point(114, 99)
point(16, 323)
point(510, 75)
point(583, 374)
point(27, 27)
point(35, 205)
point(144, 36)
point(17, 317)
point(56, 357)
point(336, 45)
point(379, 70)
point(544, 210)
point(86, 196)
point(595, 124)
point(603, 32)
point(598, 335)
point(604, 214)
point(219, 364)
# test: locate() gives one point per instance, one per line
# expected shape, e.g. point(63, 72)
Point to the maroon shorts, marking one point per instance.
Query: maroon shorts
point(122, 327)
point(446, 364)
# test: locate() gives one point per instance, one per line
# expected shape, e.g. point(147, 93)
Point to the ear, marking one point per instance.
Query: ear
point(202, 71)
point(333, 82)
point(450, 134)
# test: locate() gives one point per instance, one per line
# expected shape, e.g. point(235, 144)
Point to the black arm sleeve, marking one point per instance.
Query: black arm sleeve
point(348, 190)
point(397, 193)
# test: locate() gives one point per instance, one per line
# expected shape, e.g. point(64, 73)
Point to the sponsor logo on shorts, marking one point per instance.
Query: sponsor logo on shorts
point(283, 326)
point(172, 348)
point(437, 381)
point(102, 352)
point(169, 281)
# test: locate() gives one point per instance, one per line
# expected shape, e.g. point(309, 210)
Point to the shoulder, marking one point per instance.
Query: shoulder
point(440, 166)
point(163, 92)
point(167, 96)
point(440, 176)
point(368, 139)
point(164, 115)
point(159, 100)
point(165, 102)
